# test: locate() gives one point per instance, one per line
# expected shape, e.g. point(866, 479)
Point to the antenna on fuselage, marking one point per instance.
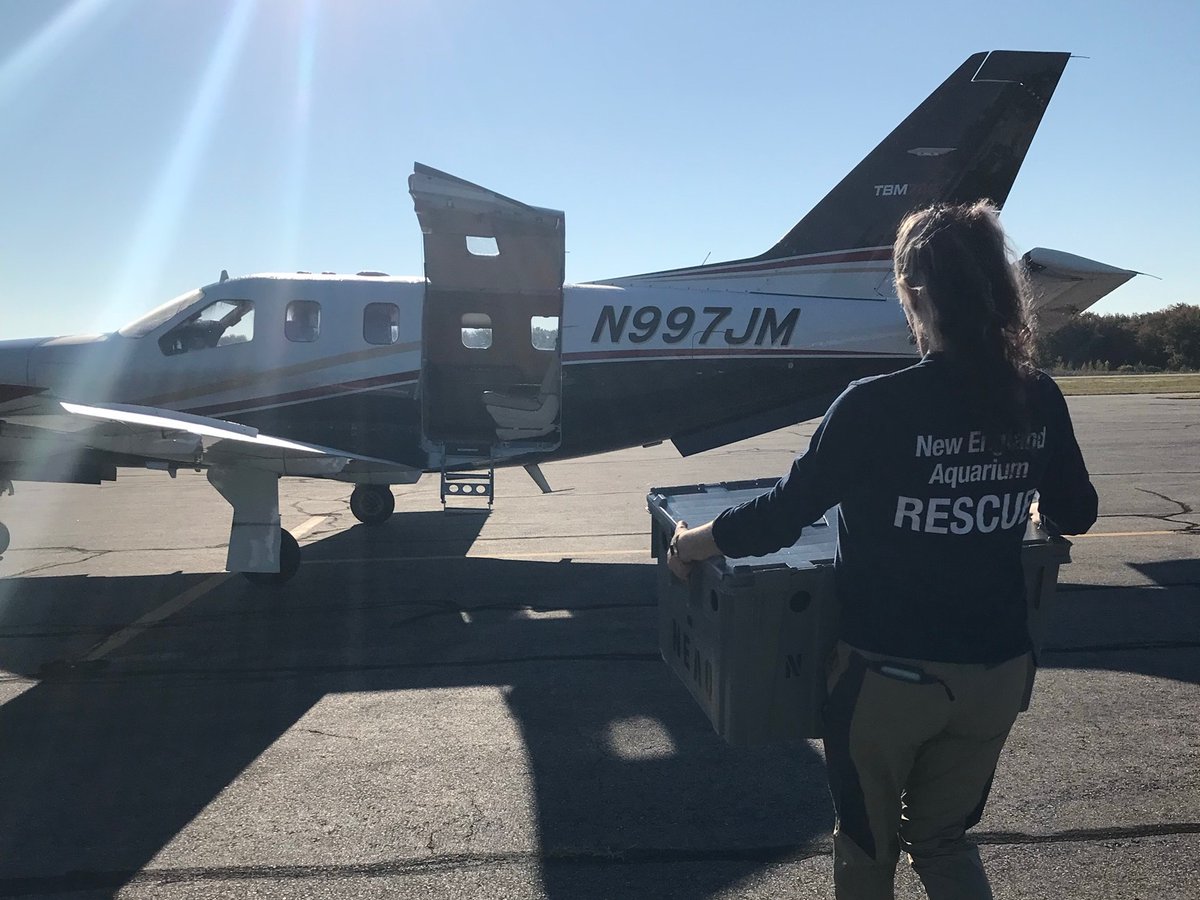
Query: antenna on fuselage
point(224, 275)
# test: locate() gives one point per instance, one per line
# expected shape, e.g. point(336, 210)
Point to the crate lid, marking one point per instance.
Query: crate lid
point(700, 503)
point(817, 546)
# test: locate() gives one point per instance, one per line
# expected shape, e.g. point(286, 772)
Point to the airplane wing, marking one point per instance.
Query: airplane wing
point(56, 438)
point(1063, 285)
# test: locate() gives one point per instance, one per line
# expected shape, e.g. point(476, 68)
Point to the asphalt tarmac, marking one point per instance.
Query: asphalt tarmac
point(472, 704)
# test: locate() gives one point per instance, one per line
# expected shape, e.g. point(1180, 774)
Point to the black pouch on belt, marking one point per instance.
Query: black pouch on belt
point(907, 672)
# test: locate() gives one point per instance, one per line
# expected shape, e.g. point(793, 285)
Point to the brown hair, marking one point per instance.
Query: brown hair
point(956, 258)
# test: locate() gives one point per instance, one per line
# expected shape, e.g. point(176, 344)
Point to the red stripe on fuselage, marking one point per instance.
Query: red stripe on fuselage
point(685, 352)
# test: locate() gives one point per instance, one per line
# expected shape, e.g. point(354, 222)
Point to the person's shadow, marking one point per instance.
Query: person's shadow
point(105, 763)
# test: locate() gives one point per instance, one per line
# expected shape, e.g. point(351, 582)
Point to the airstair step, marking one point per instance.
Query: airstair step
point(473, 485)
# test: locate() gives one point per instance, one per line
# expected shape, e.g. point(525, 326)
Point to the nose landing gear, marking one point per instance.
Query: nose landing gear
point(372, 504)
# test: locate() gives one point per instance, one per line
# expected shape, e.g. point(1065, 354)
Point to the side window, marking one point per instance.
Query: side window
point(543, 332)
point(476, 331)
point(381, 323)
point(302, 323)
point(219, 324)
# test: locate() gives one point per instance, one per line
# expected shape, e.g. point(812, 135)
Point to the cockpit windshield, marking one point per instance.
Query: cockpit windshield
point(156, 317)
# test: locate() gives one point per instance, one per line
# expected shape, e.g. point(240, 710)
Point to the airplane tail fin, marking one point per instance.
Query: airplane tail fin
point(964, 143)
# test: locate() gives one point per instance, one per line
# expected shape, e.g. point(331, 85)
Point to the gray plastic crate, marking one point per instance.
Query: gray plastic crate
point(750, 637)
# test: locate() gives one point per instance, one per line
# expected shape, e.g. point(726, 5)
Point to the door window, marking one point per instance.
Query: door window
point(476, 331)
point(543, 332)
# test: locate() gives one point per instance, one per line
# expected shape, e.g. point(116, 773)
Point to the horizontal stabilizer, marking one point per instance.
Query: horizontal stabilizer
point(1063, 285)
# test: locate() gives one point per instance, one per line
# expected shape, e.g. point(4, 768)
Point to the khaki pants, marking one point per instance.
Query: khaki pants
point(911, 748)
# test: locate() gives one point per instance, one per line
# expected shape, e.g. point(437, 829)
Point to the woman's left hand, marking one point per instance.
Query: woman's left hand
point(680, 566)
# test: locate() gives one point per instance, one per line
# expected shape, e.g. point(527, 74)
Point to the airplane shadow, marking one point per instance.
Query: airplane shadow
point(105, 763)
point(1152, 630)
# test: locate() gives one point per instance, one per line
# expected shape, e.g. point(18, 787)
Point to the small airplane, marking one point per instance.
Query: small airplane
point(490, 360)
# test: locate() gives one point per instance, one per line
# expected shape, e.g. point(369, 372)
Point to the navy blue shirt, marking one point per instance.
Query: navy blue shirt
point(934, 507)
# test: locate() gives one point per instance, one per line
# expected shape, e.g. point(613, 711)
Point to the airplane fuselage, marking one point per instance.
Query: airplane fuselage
point(339, 360)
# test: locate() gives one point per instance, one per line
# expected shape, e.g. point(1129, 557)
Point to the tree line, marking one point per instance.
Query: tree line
point(1164, 341)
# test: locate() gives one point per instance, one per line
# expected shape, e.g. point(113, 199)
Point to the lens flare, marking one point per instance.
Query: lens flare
point(297, 169)
point(160, 220)
point(47, 45)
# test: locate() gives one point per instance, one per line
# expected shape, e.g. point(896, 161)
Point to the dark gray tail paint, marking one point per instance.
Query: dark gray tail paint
point(966, 142)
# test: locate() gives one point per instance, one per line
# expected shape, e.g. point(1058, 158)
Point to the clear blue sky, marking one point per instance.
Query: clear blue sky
point(147, 144)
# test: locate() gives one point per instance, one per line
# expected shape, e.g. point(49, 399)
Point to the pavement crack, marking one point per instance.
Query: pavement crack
point(474, 817)
point(1173, 518)
point(269, 673)
point(1087, 835)
point(1184, 509)
point(318, 731)
point(87, 556)
point(550, 857)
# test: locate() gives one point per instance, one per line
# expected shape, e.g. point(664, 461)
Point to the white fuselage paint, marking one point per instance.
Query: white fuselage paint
point(829, 310)
point(601, 323)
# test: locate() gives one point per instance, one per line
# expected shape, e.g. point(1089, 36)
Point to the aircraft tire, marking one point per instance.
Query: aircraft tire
point(372, 504)
point(4, 538)
point(289, 563)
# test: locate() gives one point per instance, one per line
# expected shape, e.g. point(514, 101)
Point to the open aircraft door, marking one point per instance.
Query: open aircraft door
point(491, 377)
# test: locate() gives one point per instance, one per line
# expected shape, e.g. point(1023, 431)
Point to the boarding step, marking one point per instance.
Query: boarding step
point(475, 486)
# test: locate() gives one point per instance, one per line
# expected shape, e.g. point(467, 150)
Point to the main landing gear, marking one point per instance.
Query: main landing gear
point(5, 537)
point(289, 563)
point(372, 504)
point(258, 547)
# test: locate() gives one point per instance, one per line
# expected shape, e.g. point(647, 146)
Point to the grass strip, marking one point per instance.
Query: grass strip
point(1080, 385)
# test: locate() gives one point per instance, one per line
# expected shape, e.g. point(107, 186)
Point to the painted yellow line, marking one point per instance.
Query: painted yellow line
point(556, 554)
point(172, 606)
point(177, 603)
point(309, 525)
point(574, 553)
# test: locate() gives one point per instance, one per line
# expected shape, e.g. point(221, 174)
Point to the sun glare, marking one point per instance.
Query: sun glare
point(165, 206)
point(297, 169)
point(47, 45)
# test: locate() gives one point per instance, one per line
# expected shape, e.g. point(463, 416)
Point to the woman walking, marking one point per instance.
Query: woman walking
point(935, 468)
